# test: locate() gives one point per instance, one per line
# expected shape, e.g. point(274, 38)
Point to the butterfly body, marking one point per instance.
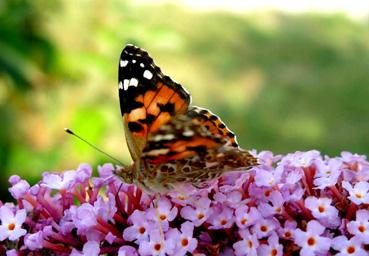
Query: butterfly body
point(170, 141)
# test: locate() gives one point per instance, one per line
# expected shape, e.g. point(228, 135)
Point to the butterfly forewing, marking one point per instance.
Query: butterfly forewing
point(148, 99)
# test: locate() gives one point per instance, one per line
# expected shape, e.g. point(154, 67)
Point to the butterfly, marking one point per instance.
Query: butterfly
point(170, 141)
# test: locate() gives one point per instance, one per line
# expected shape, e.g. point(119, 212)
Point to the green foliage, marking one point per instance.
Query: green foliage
point(281, 82)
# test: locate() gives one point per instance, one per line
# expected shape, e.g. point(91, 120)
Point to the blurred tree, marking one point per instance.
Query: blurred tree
point(27, 60)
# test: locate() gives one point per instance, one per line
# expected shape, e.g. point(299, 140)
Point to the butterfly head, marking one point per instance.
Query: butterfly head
point(126, 174)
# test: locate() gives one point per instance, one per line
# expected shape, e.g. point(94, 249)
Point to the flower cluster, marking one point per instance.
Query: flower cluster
point(300, 203)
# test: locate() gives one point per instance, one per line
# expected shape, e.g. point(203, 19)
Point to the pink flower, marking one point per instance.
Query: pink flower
point(127, 250)
point(11, 224)
point(246, 217)
point(139, 231)
point(156, 245)
point(198, 215)
point(311, 241)
point(58, 181)
point(231, 198)
point(274, 207)
point(322, 209)
point(90, 248)
point(164, 211)
point(221, 217)
point(360, 226)
point(183, 240)
point(267, 178)
point(328, 173)
point(84, 218)
point(264, 227)
point(272, 248)
point(288, 232)
point(348, 247)
point(359, 193)
point(34, 241)
point(248, 245)
point(19, 188)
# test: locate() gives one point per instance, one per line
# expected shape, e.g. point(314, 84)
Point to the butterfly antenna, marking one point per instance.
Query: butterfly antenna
point(69, 131)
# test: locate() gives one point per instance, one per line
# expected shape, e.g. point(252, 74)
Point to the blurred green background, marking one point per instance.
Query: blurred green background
point(282, 82)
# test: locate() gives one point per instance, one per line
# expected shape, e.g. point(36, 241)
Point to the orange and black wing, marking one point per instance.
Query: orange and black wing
point(148, 98)
point(213, 124)
point(192, 133)
point(193, 147)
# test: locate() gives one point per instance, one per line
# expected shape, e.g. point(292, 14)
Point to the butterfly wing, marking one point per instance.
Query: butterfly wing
point(148, 98)
point(213, 124)
point(192, 147)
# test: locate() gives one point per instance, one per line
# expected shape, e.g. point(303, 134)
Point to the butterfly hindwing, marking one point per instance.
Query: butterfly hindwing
point(179, 138)
point(186, 150)
point(148, 99)
point(212, 123)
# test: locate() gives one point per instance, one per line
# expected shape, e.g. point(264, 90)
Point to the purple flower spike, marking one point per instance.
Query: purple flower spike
point(299, 204)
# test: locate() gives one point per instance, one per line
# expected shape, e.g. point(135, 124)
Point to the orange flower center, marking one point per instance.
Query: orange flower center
point(11, 226)
point(350, 249)
point(141, 230)
point(250, 244)
point(311, 241)
point(287, 234)
point(243, 221)
point(321, 208)
point(267, 193)
point(361, 229)
point(200, 216)
point(358, 195)
point(157, 247)
point(163, 217)
point(184, 242)
point(223, 222)
point(264, 228)
point(274, 252)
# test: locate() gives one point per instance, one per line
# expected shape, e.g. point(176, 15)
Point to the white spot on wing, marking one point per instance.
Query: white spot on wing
point(133, 82)
point(120, 85)
point(125, 83)
point(133, 61)
point(142, 65)
point(123, 63)
point(163, 137)
point(147, 74)
point(188, 133)
point(156, 152)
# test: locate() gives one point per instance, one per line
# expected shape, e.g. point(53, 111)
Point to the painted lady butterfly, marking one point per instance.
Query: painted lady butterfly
point(170, 141)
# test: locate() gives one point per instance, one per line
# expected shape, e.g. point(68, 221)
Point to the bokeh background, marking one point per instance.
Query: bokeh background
point(284, 79)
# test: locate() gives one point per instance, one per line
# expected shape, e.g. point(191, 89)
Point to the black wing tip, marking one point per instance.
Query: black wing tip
point(132, 49)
